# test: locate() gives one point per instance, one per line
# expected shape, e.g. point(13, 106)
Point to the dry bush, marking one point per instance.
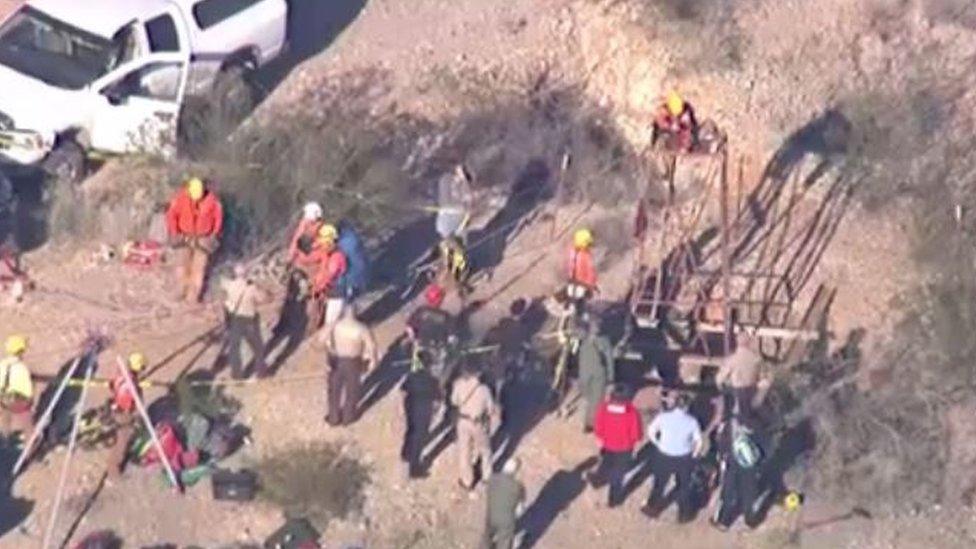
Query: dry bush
point(318, 482)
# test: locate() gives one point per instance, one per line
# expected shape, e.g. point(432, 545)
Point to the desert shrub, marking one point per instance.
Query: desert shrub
point(317, 481)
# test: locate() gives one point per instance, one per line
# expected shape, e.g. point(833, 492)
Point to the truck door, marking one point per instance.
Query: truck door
point(137, 109)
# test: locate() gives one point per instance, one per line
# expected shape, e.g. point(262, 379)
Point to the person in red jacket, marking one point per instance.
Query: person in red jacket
point(324, 266)
point(194, 222)
point(308, 228)
point(124, 407)
point(618, 428)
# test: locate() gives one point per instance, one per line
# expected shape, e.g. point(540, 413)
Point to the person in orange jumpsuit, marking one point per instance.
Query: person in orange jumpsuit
point(194, 221)
point(581, 272)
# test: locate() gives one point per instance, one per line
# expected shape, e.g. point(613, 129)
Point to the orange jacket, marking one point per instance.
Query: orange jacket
point(122, 396)
point(186, 218)
point(333, 265)
point(581, 269)
point(306, 227)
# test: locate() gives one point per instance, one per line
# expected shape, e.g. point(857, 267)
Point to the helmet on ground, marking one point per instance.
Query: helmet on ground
point(312, 211)
point(676, 105)
point(582, 238)
point(328, 233)
point(15, 345)
point(434, 295)
point(137, 361)
point(195, 188)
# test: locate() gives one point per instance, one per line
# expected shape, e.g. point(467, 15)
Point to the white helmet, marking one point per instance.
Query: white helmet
point(312, 211)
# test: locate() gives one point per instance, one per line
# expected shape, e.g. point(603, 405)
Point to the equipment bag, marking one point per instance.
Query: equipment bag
point(745, 451)
point(234, 485)
point(296, 533)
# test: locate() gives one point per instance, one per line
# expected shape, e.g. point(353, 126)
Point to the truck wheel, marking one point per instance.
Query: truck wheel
point(66, 163)
point(234, 95)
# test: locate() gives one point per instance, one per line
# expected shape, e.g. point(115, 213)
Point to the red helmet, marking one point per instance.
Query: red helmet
point(434, 295)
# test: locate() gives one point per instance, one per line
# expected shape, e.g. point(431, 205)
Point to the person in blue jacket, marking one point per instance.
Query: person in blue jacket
point(356, 279)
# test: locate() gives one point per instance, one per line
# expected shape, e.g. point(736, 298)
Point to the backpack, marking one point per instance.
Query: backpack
point(356, 278)
point(746, 453)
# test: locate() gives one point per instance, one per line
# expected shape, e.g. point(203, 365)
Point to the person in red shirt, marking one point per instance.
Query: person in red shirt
point(618, 428)
point(306, 232)
point(675, 124)
point(123, 405)
point(194, 222)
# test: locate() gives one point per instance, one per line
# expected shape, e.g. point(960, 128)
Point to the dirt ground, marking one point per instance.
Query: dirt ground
point(421, 46)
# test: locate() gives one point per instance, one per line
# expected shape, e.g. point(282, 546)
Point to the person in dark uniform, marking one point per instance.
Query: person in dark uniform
point(741, 458)
point(420, 392)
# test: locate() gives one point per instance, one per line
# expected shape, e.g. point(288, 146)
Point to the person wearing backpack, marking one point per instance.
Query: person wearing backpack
point(355, 280)
point(741, 460)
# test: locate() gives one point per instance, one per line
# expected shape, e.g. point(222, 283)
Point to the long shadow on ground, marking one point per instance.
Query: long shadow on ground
point(554, 498)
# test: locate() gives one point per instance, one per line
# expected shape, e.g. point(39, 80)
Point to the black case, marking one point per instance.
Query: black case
point(296, 533)
point(234, 485)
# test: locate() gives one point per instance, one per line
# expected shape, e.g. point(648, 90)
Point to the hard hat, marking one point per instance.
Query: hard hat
point(195, 187)
point(137, 361)
point(792, 501)
point(312, 211)
point(676, 105)
point(582, 238)
point(16, 344)
point(434, 295)
point(328, 233)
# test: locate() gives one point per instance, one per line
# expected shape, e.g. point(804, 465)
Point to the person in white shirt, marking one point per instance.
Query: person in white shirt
point(677, 437)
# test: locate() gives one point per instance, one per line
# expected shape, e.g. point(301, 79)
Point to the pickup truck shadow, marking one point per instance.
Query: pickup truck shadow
point(312, 26)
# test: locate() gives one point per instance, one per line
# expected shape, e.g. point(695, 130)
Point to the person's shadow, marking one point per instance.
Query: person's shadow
point(387, 375)
point(13, 510)
point(554, 498)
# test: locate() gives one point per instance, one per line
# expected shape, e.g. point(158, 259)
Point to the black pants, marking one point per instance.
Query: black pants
point(239, 329)
point(612, 470)
point(344, 388)
point(419, 417)
point(665, 468)
point(738, 497)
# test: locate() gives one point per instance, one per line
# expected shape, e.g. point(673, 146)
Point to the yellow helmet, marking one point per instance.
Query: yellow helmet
point(137, 361)
point(328, 233)
point(582, 238)
point(195, 188)
point(16, 345)
point(676, 105)
point(792, 501)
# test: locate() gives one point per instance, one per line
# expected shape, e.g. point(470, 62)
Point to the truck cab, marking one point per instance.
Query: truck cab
point(112, 77)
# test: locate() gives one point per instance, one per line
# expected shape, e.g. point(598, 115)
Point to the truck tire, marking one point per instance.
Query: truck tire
point(234, 95)
point(66, 163)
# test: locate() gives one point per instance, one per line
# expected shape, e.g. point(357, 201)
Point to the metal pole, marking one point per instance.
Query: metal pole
point(726, 258)
point(149, 426)
point(46, 416)
point(560, 183)
point(79, 408)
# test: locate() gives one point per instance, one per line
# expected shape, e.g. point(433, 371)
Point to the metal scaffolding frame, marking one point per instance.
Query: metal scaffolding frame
point(700, 287)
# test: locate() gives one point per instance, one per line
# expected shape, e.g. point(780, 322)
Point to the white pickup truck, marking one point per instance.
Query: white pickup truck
point(112, 76)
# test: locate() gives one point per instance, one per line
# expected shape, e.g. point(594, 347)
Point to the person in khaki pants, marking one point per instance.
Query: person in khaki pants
point(477, 412)
point(194, 221)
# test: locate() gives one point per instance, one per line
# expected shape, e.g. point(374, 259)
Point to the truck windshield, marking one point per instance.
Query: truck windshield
point(42, 47)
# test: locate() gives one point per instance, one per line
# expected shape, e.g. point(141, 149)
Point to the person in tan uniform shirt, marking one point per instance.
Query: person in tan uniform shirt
point(739, 372)
point(242, 297)
point(477, 413)
point(351, 352)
